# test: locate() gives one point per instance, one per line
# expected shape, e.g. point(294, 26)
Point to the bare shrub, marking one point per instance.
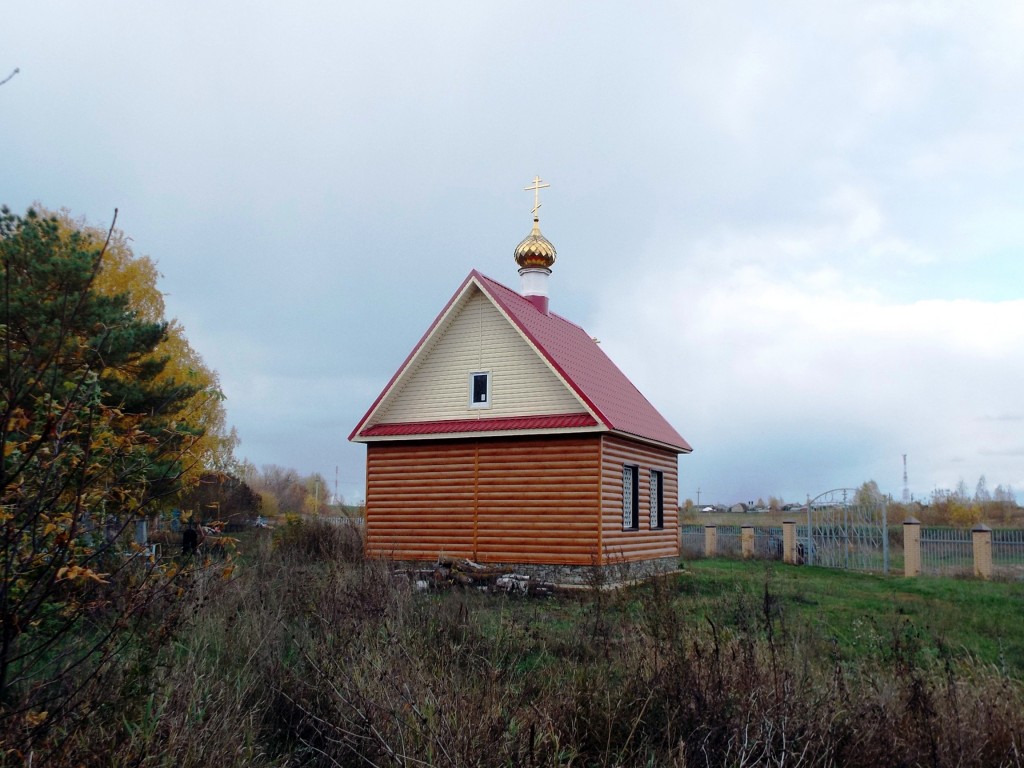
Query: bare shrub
point(316, 540)
point(328, 662)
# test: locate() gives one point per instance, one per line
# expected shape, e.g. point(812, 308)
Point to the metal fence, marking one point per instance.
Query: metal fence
point(941, 551)
point(729, 542)
point(352, 522)
point(692, 541)
point(844, 532)
point(1008, 552)
point(946, 551)
point(768, 543)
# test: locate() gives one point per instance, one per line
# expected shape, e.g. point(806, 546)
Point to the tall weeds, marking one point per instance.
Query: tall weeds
point(316, 657)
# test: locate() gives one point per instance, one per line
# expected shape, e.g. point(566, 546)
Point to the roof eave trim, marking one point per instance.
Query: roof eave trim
point(472, 277)
point(650, 441)
point(598, 428)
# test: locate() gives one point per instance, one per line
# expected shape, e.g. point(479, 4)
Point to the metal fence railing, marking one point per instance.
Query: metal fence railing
point(352, 522)
point(768, 543)
point(1008, 552)
point(946, 551)
point(729, 542)
point(936, 551)
point(692, 543)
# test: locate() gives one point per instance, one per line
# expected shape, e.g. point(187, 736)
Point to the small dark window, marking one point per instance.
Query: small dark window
point(630, 498)
point(479, 390)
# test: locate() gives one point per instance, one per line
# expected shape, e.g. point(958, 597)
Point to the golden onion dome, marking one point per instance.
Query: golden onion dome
point(535, 250)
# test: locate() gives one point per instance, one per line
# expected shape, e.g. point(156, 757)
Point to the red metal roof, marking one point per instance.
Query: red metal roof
point(573, 353)
point(582, 362)
point(560, 421)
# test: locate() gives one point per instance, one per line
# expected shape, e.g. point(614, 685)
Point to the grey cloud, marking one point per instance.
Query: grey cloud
point(795, 227)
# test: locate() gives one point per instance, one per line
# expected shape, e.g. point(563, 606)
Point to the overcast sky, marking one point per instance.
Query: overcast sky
point(797, 226)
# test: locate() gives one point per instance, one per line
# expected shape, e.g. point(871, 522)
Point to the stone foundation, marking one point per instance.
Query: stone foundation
point(611, 575)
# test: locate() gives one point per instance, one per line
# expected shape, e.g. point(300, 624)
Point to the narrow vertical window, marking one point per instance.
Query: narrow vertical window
point(480, 389)
point(657, 506)
point(630, 498)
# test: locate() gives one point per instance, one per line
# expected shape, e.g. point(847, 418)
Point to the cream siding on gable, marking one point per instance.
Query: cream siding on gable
point(478, 338)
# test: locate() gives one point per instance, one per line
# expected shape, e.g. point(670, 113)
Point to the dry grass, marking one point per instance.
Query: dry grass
point(314, 657)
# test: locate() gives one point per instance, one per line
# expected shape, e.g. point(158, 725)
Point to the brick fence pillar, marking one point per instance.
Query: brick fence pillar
point(710, 540)
point(911, 547)
point(981, 538)
point(789, 541)
point(747, 540)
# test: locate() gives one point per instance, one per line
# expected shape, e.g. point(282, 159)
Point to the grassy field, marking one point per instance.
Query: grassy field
point(762, 520)
point(311, 656)
point(983, 620)
point(848, 616)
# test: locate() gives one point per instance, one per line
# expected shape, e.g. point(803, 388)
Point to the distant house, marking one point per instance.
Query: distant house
point(508, 437)
point(740, 507)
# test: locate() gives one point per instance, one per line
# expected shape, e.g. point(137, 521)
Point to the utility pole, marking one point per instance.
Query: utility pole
point(906, 488)
point(698, 496)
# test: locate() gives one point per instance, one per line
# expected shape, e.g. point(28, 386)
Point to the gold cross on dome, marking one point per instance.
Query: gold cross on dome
point(536, 186)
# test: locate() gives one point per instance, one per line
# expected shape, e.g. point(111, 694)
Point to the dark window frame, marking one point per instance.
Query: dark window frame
point(656, 511)
point(634, 497)
point(475, 392)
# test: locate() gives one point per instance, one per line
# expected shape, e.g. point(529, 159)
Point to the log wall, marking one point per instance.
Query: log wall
point(544, 500)
point(527, 500)
point(642, 544)
point(420, 500)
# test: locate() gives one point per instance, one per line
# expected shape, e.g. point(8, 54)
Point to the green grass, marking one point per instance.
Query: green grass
point(861, 612)
point(847, 615)
point(312, 656)
point(759, 519)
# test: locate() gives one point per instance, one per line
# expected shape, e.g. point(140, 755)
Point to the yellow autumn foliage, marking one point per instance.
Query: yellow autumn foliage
point(124, 272)
point(71, 572)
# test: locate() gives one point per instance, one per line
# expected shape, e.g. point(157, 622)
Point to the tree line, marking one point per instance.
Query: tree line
point(958, 506)
point(244, 492)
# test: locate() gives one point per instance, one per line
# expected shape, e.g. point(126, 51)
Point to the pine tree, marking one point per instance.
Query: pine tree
point(91, 440)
